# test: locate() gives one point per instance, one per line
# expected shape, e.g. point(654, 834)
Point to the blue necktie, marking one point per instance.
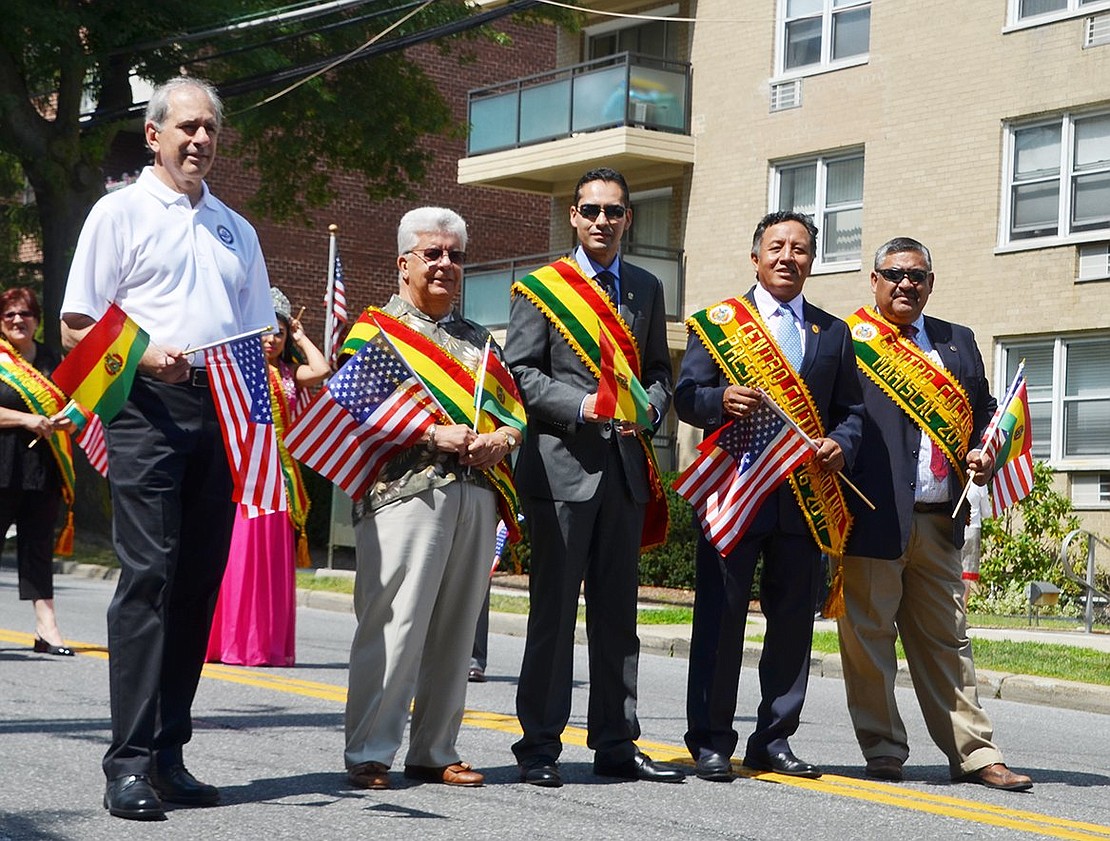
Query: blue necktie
point(786, 334)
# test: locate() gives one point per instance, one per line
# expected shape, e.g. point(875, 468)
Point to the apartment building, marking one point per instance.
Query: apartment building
point(980, 127)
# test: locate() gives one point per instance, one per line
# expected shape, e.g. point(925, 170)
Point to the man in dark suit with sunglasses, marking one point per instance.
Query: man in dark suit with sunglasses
point(927, 404)
point(584, 479)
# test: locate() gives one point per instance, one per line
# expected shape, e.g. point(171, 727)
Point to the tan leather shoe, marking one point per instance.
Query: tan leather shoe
point(458, 774)
point(371, 775)
point(999, 776)
point(887, 768)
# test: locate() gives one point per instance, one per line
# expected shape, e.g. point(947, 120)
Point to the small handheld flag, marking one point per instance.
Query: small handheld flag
point(99, 371)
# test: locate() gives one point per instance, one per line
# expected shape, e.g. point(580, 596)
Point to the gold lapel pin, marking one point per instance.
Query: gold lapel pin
point(815, 328)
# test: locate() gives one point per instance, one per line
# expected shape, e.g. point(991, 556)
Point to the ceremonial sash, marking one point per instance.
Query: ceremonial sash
point(586, 318)
point(295, 491)
point(583, 314)
point(738, 341)
point(43, 398)
point(916, 384)
point(452, 384)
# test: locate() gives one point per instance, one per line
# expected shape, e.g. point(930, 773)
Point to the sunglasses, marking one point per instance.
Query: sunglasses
point(612, 211)
point(916, 276)
point(24, 314)
point(434, 255)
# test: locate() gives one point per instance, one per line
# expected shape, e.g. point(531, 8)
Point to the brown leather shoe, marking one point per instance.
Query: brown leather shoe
point(887, 768)
point(372, 775)
point(458, 774)
point(999, 776)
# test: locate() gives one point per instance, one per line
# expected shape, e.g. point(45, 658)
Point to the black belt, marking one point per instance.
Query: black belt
point(198, 378)
point(933, 507)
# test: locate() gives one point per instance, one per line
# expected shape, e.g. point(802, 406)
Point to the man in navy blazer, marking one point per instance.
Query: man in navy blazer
point(783, 249)
point(902, 571)
point(583, 484)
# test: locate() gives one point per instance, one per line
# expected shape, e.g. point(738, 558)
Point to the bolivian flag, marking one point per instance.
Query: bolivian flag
point(98, 372)
point(500, 396)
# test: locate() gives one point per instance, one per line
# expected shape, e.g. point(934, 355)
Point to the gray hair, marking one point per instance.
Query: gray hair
point(159, 104)
point(429, 220)
point(900, 244)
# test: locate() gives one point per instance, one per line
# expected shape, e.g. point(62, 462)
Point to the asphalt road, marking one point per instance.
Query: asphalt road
point(272, 739)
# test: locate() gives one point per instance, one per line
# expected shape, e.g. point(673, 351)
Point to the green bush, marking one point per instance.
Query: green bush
point(1023, 545)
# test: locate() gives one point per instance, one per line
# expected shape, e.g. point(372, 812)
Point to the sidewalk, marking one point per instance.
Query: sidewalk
point(674, 641)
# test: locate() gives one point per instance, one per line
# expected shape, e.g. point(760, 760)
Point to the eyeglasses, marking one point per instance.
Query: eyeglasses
point(24, 314)
point(434, 255)
point(612, 211)
point(916, 276)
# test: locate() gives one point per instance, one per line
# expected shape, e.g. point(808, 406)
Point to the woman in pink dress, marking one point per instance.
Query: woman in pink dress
point(255, 621)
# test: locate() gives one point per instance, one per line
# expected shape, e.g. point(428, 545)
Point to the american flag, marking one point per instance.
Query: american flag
point(739, 466)
point(89, 434)
point(241, 391)
point(372, 409)
point(338, 308)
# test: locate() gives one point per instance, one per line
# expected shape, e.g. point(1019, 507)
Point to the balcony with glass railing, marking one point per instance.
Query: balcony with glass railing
point(533, 132)
point(485, 295)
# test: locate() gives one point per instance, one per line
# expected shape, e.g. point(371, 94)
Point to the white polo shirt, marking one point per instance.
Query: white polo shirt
point(187, 275)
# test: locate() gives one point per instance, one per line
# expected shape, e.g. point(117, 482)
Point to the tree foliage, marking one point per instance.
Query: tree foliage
point(66, 92)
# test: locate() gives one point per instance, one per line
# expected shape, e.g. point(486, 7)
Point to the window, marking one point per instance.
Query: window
point(1068, 383)
point(830, 189)
point(1058, 179)
point(1024, 10)
point(655, 38)
point(818, 35)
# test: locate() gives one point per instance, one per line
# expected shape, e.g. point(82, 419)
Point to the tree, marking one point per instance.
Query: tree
point(65, 94)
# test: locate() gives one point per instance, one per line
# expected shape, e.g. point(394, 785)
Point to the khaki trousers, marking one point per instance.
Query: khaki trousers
point(920, 597)
point(422, 571)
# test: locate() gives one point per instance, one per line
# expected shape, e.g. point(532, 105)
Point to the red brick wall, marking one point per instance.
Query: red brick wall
point(501, 224)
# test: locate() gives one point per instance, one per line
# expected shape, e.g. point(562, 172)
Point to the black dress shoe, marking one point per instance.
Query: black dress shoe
point(177, 785)
point(541, 771)
point(132, 797)
point(783, 762)
point(43, 647)
point(638, 767)
point(714, 767)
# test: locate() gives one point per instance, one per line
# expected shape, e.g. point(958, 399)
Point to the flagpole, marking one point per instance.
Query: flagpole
point(778, 410)
point(261, 331)
point(329, 299)
point(480, 381)
point(992, 427)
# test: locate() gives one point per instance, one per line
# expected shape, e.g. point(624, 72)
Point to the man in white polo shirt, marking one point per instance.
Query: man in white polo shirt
point(188, 270)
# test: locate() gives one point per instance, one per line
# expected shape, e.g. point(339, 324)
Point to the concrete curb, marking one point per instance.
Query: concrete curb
point(664, 641)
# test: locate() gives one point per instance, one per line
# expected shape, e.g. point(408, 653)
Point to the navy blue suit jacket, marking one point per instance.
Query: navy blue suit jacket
point(886, 469)
point(829, 371)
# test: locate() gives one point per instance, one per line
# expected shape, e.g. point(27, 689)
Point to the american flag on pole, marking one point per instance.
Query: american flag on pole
point(338, 308)
point(241, 391)
point(89, 433)
point(1008, 442)
point(739, 466)
point(372, 409)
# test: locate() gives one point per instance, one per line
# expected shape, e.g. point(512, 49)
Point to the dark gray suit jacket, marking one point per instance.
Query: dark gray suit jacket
point(562, 459)
point(886, 470)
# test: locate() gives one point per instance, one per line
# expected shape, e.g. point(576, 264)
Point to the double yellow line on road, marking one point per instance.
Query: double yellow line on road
point(888, 794)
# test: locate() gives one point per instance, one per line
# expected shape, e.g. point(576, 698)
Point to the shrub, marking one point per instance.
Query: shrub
point(1023, 545)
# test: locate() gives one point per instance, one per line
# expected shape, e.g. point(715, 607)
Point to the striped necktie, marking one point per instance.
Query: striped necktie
point(938, 464)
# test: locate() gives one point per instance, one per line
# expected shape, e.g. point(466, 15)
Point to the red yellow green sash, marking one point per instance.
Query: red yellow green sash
point(452, 384)
point(43, 398)
point(739, 342)
point(586, 318)
point(917, 385)
point(295, 491)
